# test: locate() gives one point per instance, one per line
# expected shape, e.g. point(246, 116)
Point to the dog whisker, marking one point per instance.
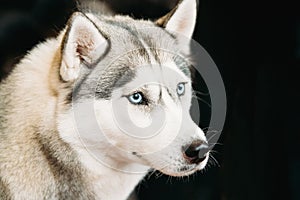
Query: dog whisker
point(214, 160)
point(202, 100)
point(200, 93)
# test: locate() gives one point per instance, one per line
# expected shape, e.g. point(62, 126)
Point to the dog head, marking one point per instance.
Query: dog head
point(131, 90)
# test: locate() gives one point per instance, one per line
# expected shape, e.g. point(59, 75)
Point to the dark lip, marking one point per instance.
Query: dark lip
point(187, 168)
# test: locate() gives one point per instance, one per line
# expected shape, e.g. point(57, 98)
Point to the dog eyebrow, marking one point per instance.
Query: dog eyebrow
point(120, 76)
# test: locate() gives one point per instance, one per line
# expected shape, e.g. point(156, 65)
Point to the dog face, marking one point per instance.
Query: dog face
point(147, 121)
point(132, 91)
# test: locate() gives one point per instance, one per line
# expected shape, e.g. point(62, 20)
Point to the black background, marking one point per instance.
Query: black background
point(256, 46)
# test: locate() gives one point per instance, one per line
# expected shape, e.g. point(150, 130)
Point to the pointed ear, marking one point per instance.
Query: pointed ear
point(83, 43)
point(181, 19)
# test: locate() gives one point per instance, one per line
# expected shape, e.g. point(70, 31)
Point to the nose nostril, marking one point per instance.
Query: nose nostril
point(196, 152)
point(191, 152)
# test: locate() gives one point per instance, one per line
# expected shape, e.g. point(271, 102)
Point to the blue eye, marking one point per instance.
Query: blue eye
point(136, 98)
point(180, 89)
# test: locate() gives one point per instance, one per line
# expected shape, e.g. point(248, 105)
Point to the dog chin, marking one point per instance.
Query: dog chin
point(184, 170)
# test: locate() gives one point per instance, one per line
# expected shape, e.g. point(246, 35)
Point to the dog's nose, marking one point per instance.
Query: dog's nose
point(195, 152)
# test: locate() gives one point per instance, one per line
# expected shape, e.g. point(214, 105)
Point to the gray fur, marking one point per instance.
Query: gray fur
point(4, 191)
point(65, 167)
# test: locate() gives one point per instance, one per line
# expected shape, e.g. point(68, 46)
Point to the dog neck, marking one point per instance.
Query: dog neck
point(111, 180)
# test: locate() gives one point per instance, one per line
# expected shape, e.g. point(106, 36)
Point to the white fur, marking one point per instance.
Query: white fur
point(184, 19)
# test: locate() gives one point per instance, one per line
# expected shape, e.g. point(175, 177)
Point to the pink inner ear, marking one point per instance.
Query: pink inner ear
point(85, 42)
point(182, 24)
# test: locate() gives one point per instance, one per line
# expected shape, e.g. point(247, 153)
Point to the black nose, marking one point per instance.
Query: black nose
point(195, 152)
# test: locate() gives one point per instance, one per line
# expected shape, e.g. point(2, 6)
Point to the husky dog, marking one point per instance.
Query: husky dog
point(63, 131)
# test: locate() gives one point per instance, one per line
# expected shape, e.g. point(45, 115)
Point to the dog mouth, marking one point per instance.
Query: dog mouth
point(192, 167)
point(182, 171)
point(187, 169)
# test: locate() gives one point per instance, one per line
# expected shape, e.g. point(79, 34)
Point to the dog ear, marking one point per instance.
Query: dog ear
point(181, 19)
point(83, 43)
